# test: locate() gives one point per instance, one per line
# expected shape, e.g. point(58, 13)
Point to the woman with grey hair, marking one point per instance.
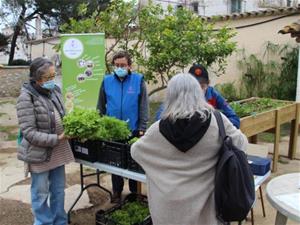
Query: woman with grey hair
point(44, 148)
point(180, 167)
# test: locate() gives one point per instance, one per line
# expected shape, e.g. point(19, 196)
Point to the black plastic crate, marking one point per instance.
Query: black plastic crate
point(113, 153)
point(87, 150)
point(102, 217)
point(133, 165)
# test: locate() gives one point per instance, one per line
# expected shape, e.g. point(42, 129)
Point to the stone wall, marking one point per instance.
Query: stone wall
point(11, 80)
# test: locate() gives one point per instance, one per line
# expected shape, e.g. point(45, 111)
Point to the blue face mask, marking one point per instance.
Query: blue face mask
point(49, 85)
point(121, 72)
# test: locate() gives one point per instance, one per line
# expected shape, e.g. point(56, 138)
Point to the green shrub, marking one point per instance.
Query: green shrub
point(272, 76)
point(228, 91)
point(19, 62)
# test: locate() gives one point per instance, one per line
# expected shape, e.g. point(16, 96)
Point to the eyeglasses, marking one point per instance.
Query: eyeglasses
point(49, 76)
point(122, 65)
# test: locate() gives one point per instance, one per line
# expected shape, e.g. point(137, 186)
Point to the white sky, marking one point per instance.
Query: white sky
point(10, 18)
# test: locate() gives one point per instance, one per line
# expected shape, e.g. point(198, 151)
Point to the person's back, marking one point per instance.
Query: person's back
point(180, 167)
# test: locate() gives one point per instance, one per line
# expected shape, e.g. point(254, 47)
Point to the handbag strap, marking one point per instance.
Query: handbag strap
point(220, 124)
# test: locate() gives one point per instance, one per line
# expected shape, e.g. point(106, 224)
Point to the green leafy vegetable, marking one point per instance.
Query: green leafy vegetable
point(131, 141)
point(131, 213)
point(87, 124)
point(81, 123)
point(112, 129)
point(256, 106)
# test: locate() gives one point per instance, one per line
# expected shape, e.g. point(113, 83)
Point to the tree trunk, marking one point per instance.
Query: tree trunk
point(156, 90)
point(17, 30)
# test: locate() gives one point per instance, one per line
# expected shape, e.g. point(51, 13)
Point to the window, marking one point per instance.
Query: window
point(179, 6)
point(195, 7)
point(236, 6)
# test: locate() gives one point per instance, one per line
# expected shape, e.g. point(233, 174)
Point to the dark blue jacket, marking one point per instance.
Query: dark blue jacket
point(214, 98)
point(122, 99)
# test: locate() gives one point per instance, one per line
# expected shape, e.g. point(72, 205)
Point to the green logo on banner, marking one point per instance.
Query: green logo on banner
point(83, 68)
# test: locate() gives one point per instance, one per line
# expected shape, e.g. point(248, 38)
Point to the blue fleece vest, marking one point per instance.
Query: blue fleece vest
point(122, 98)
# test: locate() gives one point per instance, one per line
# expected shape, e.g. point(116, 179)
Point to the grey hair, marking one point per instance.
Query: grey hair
point(184, 97)
point(39, 67)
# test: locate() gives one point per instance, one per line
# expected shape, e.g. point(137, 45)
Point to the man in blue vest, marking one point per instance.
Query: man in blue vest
point(123, 95)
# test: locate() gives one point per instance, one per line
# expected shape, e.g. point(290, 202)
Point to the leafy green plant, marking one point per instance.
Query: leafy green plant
point(273, 75)
point(87, 124)
point(131, 141)
point(19, 62)
point(131, 213)
point(112, 129)
point(172, 40)
point(288, 76)
point(228, 91)
point(255, 106)
point(82, 123)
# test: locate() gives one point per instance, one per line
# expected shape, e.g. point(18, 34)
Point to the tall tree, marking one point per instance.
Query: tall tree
point(3, 42)
point(162, 42)
point(52, 13)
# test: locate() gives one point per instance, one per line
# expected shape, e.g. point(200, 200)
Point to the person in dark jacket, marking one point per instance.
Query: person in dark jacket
point(212, 96)
point(123, 95)
point(44, 147)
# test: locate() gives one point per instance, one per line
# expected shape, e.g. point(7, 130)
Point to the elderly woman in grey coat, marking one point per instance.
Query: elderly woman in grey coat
point(44, 147)
point(180, 167)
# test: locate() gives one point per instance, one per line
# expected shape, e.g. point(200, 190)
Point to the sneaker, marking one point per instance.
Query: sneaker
point(116, 197)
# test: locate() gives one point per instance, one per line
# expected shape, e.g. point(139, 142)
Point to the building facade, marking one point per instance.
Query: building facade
point(224, 7)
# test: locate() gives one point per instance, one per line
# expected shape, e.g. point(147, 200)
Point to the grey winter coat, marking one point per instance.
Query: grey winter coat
point(37, 123)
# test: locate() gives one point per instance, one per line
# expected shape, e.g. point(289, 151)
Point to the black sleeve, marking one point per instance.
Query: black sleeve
point(101, 105)
point(143, 108)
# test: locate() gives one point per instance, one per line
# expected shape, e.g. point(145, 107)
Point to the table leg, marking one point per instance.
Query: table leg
point(252, 216)
point(280, 219)
point(84, 187)
point(253, 139)
point(262, 201)
point(276, 142)
point(294, 134)
point(139, 187)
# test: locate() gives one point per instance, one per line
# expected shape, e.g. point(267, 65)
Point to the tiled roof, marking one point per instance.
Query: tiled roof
point(293, 29)
point(259, 13)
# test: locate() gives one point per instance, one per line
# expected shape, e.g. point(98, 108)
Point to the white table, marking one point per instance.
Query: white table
point(258, 180)
point(114, 170)
point(283, 192)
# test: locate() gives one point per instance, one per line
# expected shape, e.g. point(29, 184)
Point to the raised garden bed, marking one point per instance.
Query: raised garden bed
point(269, 115)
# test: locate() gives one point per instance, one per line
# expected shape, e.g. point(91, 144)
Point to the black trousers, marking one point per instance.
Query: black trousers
point(118, 184)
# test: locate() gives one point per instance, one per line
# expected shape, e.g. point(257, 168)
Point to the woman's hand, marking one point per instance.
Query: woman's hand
point(62, 136)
